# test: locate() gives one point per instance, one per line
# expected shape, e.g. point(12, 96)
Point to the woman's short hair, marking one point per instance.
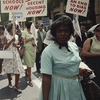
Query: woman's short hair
point(62, 21)
point(1, 27)
point(29, 25)
point(10, 27)
point(40, 24)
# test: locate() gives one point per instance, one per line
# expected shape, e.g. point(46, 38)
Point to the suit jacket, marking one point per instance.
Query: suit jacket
point(40, 43)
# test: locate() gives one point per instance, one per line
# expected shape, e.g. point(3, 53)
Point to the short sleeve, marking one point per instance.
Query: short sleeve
point(24, 34)
point(46, 63)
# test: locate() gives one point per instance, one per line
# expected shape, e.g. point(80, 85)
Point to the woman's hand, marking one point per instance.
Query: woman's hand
point(37, 51)
point(14, 45)
point(33, 44)
point(32, 38)
point(85, 72)
point(13, 40)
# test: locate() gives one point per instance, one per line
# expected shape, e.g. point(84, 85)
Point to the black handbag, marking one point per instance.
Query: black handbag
point(91, 89)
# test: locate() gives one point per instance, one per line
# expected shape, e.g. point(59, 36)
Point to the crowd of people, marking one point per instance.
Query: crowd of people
point(55, 53)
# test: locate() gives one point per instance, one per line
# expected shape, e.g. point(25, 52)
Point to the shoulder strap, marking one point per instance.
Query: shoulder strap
point(91, 42)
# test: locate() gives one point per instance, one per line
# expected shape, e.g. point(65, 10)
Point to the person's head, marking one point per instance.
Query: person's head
point(17, 27)
point(1, 30)
point(10, 27)
point(58, 15)
point(62, 29)
point(83, 27)
point(97, 30)
point(36, 26)
point(29, 25)
point(40, 26)
point(6, 26)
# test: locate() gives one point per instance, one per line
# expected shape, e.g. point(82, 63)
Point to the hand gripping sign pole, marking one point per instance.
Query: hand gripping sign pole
point(13, 24)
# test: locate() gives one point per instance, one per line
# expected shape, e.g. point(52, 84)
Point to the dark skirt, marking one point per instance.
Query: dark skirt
point(94, 64)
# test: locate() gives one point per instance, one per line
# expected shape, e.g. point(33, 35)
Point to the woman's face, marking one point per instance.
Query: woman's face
point(11, 32)
point(62, 34)
point(97, 31)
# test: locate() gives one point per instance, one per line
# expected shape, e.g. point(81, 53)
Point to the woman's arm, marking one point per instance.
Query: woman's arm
point(46, 84)
point(86, 47)
point(17, 45)
point(27, 40)
point(8, 44)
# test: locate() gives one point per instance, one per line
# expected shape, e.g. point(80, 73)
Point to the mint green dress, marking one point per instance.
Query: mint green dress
point(63, 63)
point(30, 51)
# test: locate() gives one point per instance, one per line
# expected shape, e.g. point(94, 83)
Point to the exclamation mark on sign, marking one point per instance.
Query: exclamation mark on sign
point(42, 1)
point(83, 11)
point(21, 6)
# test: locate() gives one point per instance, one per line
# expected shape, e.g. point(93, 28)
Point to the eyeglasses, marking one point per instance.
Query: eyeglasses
point(97, 30)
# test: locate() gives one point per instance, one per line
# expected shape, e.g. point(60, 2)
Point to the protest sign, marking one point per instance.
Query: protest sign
point(78, 7)
point(46, 21)
point(12, 6)
point(39, 21)
point(20, 16)
point(33, 29)
point(76, 26)
point(36, 8)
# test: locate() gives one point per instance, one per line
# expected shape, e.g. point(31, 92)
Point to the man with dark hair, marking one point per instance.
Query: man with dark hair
point(80, 42)
point(40, 45)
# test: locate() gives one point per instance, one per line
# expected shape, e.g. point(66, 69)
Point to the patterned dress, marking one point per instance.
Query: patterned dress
point(12, 65)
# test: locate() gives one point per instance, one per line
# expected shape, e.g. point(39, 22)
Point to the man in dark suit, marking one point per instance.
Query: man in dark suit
point(80, 42)
point(40, 45)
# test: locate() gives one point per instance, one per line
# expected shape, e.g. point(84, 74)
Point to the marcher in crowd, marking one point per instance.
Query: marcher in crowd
point(40, 45)
point(18, 32)
point(59, 66)
point(80, 41)
point(91, 52)
point(30, 51)
point(1, 45)
point(12, 65)
point(49, 38)
point(5, 31)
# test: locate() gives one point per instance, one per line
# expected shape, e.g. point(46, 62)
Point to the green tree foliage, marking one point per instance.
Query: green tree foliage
point(4, 16)
point(52, 4)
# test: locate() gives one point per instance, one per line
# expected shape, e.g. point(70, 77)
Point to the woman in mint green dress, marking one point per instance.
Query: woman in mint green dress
point(60, 65)
point(30, 51)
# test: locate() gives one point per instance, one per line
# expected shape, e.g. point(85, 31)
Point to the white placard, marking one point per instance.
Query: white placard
point(20, 16)
point(76, 26)
point(78, 7)
point(36, 8)
point(12, 6)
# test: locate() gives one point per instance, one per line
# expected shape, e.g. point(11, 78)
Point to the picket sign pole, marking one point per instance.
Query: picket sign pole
point(34, 21)
point(13, 24)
